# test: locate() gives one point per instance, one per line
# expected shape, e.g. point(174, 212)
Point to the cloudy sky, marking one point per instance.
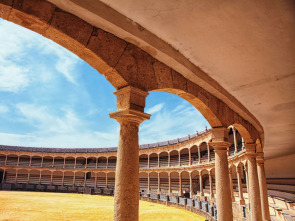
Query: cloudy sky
point(51, 98)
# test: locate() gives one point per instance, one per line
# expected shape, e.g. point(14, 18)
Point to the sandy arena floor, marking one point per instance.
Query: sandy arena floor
point(65, 206)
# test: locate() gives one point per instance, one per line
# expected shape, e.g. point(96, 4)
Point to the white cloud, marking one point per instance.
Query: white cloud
point(3, 109)
point(155, 108)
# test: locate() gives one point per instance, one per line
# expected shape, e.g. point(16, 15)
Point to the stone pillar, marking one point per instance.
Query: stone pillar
point(240, 185)
point(148, 161)
point(42, 158)
point(169, 180)
point(51, 178)
point(18, 160)
point(107, 166)
point(16, 176)
point(75, 162)
point(231, 184)
point(85, 176)
point(149, 185)
point(86, 162)
point(254, 193)
point(247, 178)
point(106, 180)
point(180, 185)
point(53, 162)
point(40, 178)
point(211, 185)
point(3, 175)
point(5, 160)
point(30, 161)
point(28, 176)
point(223, 195)
point(263, 187)
point(199, 154)
point(191, 185)
point(158, 160)
point(179, 159)
point(96, 163)
point(190, 156)
point(159, 184)
point(130, 113)
point(201, 184)
point(208, 150)
point(168, 159)
point(64, 162)
point(235, 140)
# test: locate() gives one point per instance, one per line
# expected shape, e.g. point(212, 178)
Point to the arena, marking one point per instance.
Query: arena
point(237, 69)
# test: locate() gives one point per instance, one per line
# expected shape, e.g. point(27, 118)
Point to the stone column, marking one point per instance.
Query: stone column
point(231, 184)
point(18, 160)
point(263, 187)
point(235, 139)
point(42, 158)
point(201, 184)
point(168, 159)
point(75, 162)
point(85, 176)
point(169, 178)
point(107, 166)
point(159, 184)
point(28, 176)
point(3, 176)
point(179, 159)
point(191, 185)
point(5, 160)
point(40, 178)
point(158, 160)
point(240, 185)
point(208, 150)
point(199, 154)
point(247, 178)
point(53, 162)
point(254, 193)
point(190, 156)
point(16, 176)
point(64, 162)
point(51, 178)
point(63, 178)
point(149, 185)
point(106, 180)
point(74, 176)
point(211, 185)
point(95, 180)
point(148, 161)
point(223, 195)
point(30, 161)
point(180, 185)
point(130, 113)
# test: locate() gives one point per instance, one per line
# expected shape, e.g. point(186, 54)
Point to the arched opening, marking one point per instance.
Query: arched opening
point(101, 163)
point(24, 160)
point(22, 176)
point(164, 183)
point(34, 177)
point(143, 161)
point(112, 162)
point(1, 176)
point(80, 179)
point(185, 182)
point(174, 158)
point(91, 162)
point(58, 162)
point(163, 159)
point(153, 160)
point(10, 176)
point(57, 178)
point(143, 182)
point(70, 163)
point(90, 179)
point(153, 182)
point(68, 178)
point(12, 160)
point(101, 180)
point(195, 182)
point(46, 177)
point(174, 183)
point(47, 162)
point(36, 161)
point(194, 154)
point(111, 181)
point(184, 157)
point(80, 162)
point(2, 159)
point(204, 152)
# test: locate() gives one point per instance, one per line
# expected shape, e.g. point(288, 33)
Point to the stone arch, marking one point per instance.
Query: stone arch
point(143, 182)
point(143, 161)
point(122, 63)
point(163, 159)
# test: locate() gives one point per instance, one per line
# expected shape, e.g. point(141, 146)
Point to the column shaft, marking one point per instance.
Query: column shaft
point(180, 185)
point(149, 187)
point(231, 184)
point(169, 178)
point(240, 185)
point(254, 193)
point(263, 191)
point(211, 185)
point(201, 184)
point(191, 185)
point(159, 184)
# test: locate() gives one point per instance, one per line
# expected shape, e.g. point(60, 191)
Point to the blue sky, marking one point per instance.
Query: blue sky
point(51, 98)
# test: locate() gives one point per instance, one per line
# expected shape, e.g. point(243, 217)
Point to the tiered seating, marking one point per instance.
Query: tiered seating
point(58, 163)
point(232, 150)
point(47, 162)
point(154, 185)
point(111, 182)
point(11, 161)
point(154, 162)
point(143, 183)
point(164, 161)
point(22, 178)
point(2, 159)
point(184, 159)
point(45, 179)
point(57, 180)
point(70, 163)
point(68, 180)
point(91, 163)
point(175, 186)
point(34, 178)
point(174, 160)
point(204, 156)
point(143, 162)
point(79, 181)
point(195, 158)
point(90, 182)
point(24, 161)
point(112, 163)
point(10, 177)
point(101, 163)
point(164, 184)
point(100, 182)
point(36, 162)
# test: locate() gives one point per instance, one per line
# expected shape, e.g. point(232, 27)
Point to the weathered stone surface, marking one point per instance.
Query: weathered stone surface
point(4, 11)
point(43, 10)
point(71, 26)
point(163, 75)
point(106, 46)
point(179, 82)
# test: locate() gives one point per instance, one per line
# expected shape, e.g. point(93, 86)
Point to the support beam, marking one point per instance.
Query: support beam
point(130, 113)
point(223, 195)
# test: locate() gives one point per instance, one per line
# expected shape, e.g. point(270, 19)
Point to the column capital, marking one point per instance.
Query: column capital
point(251, 150)
point(219, 138)
point(130, 115)
point(260, 158)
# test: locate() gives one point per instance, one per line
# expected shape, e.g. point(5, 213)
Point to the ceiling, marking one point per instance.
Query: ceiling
point(241, 51)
